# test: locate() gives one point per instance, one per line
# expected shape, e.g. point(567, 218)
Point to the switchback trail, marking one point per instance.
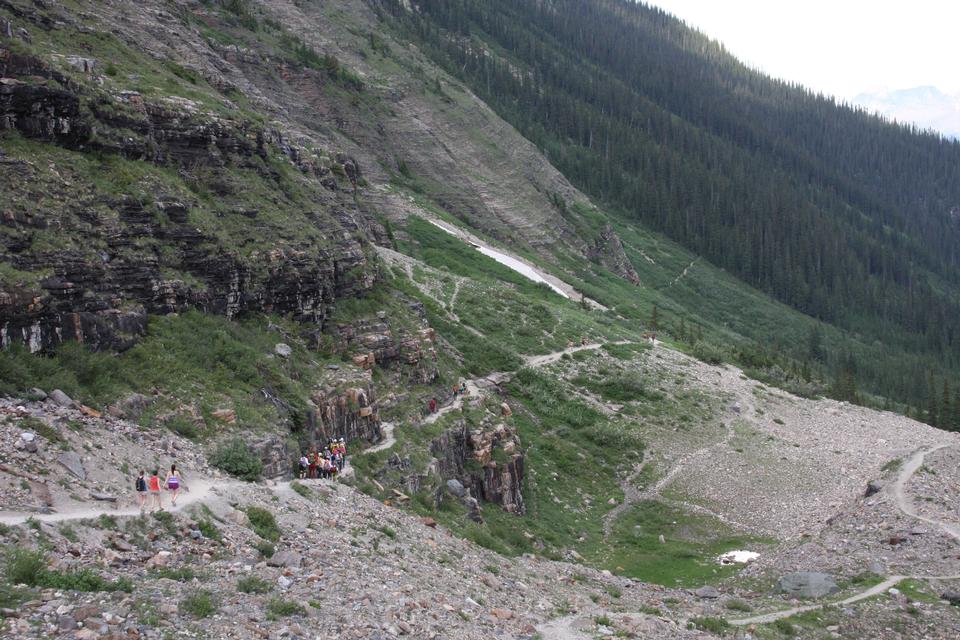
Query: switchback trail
point(905, 505)
point(388, 439)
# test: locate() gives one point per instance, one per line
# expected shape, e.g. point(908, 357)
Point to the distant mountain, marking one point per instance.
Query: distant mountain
point(927, 107)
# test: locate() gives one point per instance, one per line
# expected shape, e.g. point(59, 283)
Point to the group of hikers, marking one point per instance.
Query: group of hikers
point(459, 389)
point(154, 487)
point(326, 463)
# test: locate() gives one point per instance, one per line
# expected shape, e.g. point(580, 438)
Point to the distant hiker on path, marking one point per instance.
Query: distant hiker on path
point(304, 463)
point(141, 486)
point(153, 484)
point(173, 484)
point(433, 405)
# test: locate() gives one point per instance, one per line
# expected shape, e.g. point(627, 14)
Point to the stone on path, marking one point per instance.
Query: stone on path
point(951, 596)
point(71, 460)
point(807, 584)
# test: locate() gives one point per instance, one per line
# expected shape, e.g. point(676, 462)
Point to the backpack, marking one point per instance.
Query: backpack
point(141, 484)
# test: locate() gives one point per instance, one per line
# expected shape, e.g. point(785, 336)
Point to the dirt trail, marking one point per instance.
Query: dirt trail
point(905, 505)
point(199, 490)
point(547, 358)
point(472, 392)
point(388, 440)
point(903, 500)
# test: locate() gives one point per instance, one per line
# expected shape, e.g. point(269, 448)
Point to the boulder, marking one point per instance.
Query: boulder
point(873, 487)
point(456, 487)
point(807, 584)
point(283, 350)
point(105, 497)
point(26, 436)
point(707, 592)
point(228, 416)
point(61, 398)
point(290, 559)
point(36, 394)
point(951, 596)
point(505, 410)
point(71, 460)
point(131, 407)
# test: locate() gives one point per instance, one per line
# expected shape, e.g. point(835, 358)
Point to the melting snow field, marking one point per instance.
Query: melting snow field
point(508, 261)
point(738, 557)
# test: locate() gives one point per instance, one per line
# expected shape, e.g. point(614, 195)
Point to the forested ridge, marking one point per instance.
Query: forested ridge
point(838, 213)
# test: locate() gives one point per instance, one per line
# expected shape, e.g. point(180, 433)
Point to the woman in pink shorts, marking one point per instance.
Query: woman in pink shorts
point(173, 484)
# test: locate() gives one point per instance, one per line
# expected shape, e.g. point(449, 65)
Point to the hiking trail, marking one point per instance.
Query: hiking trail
point(199, 490)
point(903, 503)
point(388, 439)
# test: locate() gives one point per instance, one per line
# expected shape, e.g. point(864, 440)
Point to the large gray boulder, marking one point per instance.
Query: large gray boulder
point(807, 584)
point(455, 487)
point(61, 398)
point(290, 559)
point(71, 460)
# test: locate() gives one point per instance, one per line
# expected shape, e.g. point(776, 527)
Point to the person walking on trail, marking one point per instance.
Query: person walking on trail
point(304, 463)
point(141, 486)
point(433, 405)
point(173, 484)
point(156, 500)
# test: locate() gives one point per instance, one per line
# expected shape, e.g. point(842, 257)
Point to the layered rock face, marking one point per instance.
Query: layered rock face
point(410, 352)
point(488, 462)
point(350, 415)
point(132, 255)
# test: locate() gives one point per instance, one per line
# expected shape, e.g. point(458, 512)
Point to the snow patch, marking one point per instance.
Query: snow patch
point(738, 557)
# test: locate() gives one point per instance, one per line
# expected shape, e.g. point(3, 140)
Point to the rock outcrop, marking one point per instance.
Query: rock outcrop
point(350, 414)
point(137, 255)
point(487, 461)
point(607, 250)
point(411, 353)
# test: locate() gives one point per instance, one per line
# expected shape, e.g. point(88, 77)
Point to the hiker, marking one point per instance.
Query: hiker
point(314, 461)
point(173, 484)
point(456, 391)
point(141, 486)
point(153, 485)
point(433, 405)
point(304, 463)
point(342, 453)
point(463, 388)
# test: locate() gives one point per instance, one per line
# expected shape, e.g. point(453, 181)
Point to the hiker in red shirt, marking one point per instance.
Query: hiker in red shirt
point(433, 405)
point(154, 486)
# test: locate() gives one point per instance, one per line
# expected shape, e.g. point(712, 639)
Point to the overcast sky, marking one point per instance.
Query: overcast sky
point(841, 47)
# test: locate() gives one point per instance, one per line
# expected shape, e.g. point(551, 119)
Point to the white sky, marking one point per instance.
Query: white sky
point(841, 47)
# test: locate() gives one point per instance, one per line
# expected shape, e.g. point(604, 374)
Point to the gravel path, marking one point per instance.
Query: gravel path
point(199, 490)
point(903, 500)
point(388, 441)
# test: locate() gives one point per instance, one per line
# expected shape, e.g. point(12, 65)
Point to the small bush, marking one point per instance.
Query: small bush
point(785, 628)
point(303, 490)
point(236, 458)
point(209, 530)
point(265, 548)
point(253, 584)
point(263, 523)
point(183, 574)
point(387, 531)
point(25, 566)
point(718, 626)
point(199, 604)
point(84, 580)
point(737, 605)
point(707, 353)
point(278, 608)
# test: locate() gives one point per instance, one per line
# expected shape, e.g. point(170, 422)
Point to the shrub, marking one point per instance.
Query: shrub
point(265, 548)
point(199, 604)
point(25, 566)
point(278, 608)
point(183, 574)
point(707, 353)
point(209, 530)
point(252, 584)
point(737, 605)
point(718, 626)
point(303, 490)
point(29, 567)
point(263, 523)
point(236, 458)
point(785, 628)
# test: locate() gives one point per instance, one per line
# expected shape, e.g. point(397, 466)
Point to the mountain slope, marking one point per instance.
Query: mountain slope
point(839, 214)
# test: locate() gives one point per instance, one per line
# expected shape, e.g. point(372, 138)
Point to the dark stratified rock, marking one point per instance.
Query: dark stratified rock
point(607, 250)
